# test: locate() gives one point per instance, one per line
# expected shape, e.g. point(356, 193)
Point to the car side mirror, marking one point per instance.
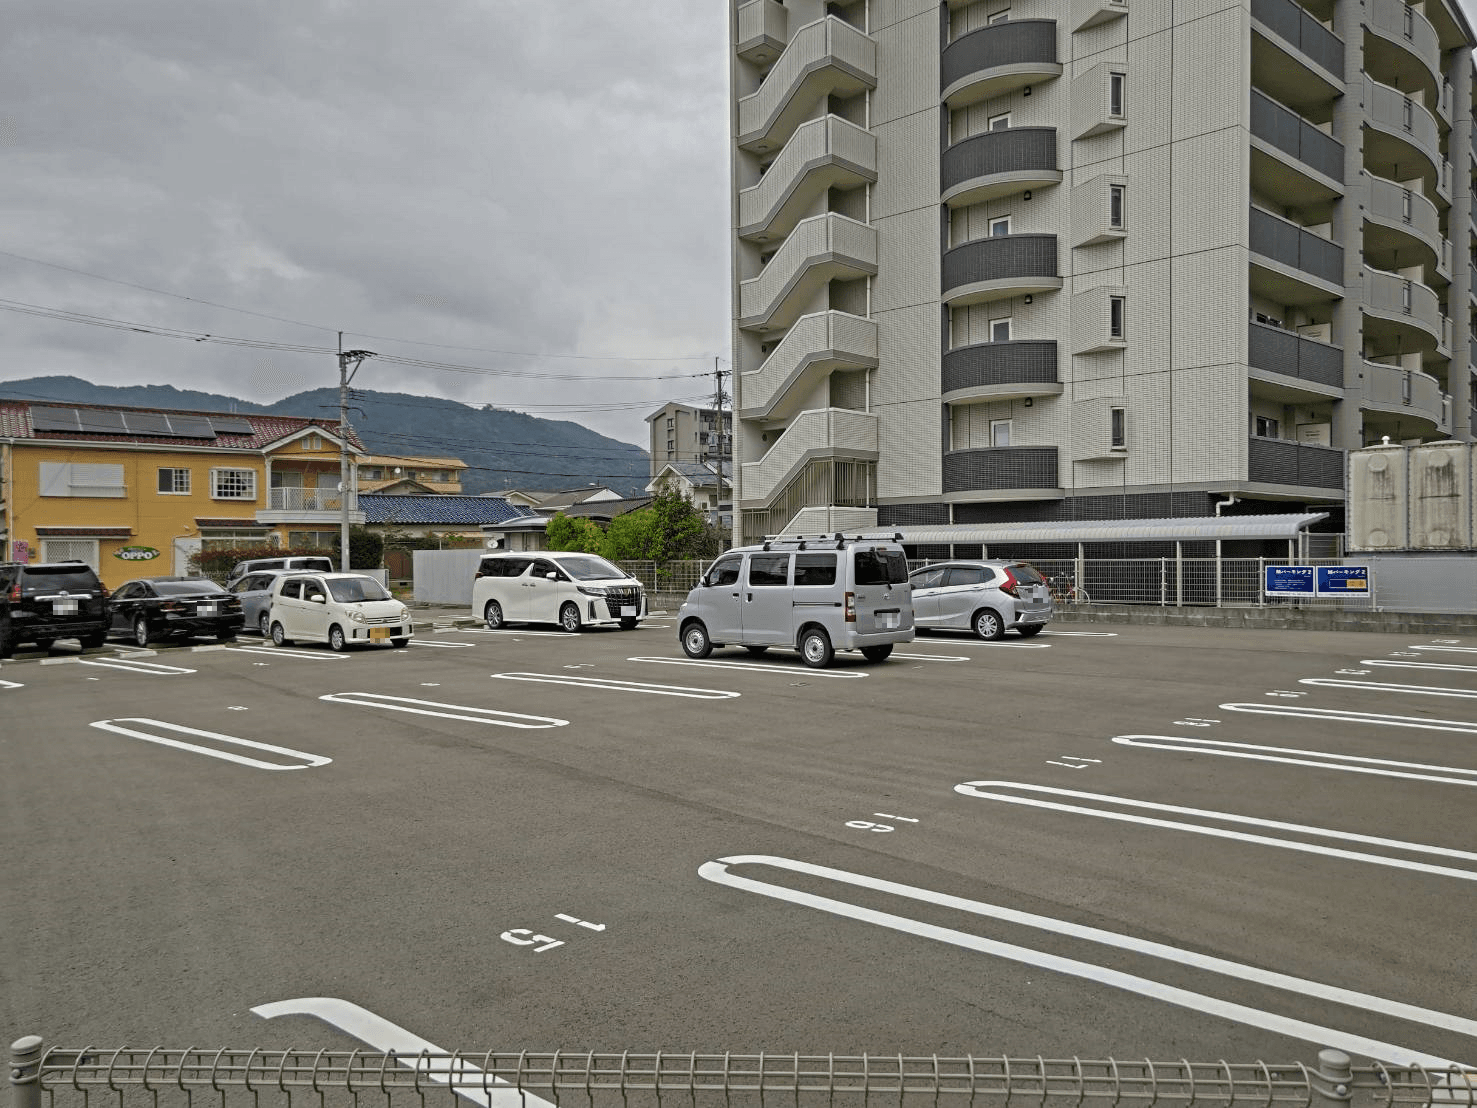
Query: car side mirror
point(552, 576)
point(318, 598)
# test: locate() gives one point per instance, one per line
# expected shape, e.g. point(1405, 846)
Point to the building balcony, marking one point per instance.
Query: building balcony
point(1090, 13)
point(1291, 264)
point(1301, 368)
point(1291, 158)
point(1414, 398)
point(829, 57)
point(298, 505)
point(1008, 472)
point(1000, 371)
point(1400, 40)
point(1294, 464)
point(997, 59)
point(821, 249)
point(761, 30)
point(998, 163)
point(1000, 267)
point(1401, 138)
point(1294, 57)
point(822, 433)
point(817, 346)
point(1401, 313)
point(822, 154)
point(1401, 226)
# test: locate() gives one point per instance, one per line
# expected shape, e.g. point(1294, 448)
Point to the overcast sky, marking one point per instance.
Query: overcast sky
point(536, 187)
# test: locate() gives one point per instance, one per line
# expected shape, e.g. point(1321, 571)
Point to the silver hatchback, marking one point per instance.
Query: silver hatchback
point(985, 597)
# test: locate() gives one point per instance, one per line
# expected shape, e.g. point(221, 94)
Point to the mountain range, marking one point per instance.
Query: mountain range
point(503, 449)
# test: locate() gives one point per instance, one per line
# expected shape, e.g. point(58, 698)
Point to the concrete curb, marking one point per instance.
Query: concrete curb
point(1276, 619)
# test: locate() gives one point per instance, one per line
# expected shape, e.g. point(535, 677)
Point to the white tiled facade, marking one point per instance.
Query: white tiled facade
point(1067, 259)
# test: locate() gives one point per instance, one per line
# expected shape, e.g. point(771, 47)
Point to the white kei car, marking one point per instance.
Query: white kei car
point(341, 609)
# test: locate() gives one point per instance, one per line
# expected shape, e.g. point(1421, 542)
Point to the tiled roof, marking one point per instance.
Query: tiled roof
point(415, 510)
point(15, 423)
point(699, 474)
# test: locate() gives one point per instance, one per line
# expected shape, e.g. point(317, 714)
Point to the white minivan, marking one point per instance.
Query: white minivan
point(555, 586)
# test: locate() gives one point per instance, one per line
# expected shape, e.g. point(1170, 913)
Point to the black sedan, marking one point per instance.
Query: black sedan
point(154, 608)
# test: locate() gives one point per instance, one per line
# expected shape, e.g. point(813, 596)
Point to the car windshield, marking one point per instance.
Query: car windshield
point(185, 588)
point(351, 590)
point(589, 568)
point(881, 567)
point(59, 577)
point(1026, 573)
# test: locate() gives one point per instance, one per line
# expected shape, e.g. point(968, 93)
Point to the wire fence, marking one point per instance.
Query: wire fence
point(160, 1077)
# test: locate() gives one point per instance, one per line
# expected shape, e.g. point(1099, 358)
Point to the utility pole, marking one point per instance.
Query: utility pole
point(718, 398)
point(345, 482)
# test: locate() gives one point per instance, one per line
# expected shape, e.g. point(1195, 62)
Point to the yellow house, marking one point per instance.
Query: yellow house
point(397, 473)
point(135, 491)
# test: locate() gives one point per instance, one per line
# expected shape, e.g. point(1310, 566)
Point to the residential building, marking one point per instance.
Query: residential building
point(1000, 260)
point(700, 483)
point(135, 491)
point(403, 474)
point(529, 530)
point(553, 500)
point(683, 433)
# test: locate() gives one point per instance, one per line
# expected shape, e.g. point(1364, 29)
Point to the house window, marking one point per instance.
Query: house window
point(313, 540)
point(315, 442)
point(999, 17)
point(174, 482)
point(371, 473)
point(70, 550)
point(999, 122)
point(233, 484)
point(1116, 82)
point(1115, 207)
point(80, 479)
point(999, 432)
point(999, 227)
point(1118, 428)
point(1000, 330)
point(1266, 427)
point(1115, 317)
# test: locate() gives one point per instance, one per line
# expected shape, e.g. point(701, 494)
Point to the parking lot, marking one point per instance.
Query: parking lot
point(1106, 840)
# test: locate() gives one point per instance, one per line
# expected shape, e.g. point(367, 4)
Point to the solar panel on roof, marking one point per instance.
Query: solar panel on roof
point(232, 426)
point(53, 419)
point(146, 423)
point(93, 419)
point(191, 427)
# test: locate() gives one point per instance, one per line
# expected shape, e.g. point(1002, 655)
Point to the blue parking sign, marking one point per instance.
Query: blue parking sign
point(1343, 580)
point(1290, 581)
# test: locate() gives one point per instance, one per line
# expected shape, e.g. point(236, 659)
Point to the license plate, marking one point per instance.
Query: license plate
point(205, 610)
point(887, 620)
point(63, 607)
point(629, 610)
point(379, 632)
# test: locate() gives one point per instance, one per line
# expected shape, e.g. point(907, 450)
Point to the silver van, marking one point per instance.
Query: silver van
point(815, 595)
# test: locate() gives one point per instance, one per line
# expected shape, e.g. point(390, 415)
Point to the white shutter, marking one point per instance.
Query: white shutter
point(77, 479)
point(56, 479)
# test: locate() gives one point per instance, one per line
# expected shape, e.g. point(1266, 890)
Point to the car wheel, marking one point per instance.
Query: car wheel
point(569, 618)
point(140, 632)
point(336, 641)
point(815, 648)
point(264, 624)
point(400, 642)
point(629, 623)
point(492, 615)
point(877, 653)
point(7, 643)
point(756, 650)
point(44, 644)
point(988, 625)
point(227, 636)
point(94, 640)
point(1032, 630)
point(278, 637)
point(695, 642)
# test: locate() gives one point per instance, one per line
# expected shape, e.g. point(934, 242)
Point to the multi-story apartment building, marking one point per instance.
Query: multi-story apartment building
point(1003, 260)
point(683, 433)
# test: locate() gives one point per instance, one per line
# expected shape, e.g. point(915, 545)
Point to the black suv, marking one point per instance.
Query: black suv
point(46, 601)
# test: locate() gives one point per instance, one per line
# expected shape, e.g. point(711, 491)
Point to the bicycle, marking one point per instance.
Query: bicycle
point(1065, 590)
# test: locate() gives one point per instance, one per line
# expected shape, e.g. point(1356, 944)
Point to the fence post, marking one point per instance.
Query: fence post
point(1261, 580)
point(1330, 1079)
point(1163, 583)
point(25, 1071)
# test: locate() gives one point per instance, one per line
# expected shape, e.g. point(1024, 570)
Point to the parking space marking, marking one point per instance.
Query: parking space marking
point(410, 1051)
point(1302, 711)
point(1085, 634)
point(11, 685)
point(1443, 667)
point(446, 645)
point(308, 761)
point(718, 873)
point(1445, 647)
point(935, 657)
point(468, 713)
point(975, 641)
point(1350, 763)
point(609, 684)
point(157, 669)
point(1383, 686)
point(287, 652)
point(980, 790)
point(779, 668)
point(516, 634)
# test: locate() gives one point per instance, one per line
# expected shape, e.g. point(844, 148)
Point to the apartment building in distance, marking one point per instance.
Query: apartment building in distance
point(1010, 260)
point(683, 433)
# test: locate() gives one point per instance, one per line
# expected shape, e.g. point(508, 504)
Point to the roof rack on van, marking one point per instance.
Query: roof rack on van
point(839, 538)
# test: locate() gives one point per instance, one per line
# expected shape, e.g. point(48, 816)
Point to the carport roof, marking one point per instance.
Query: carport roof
point(1190, 529)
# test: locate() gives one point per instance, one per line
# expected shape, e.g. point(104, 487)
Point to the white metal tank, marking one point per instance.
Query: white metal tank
point(1440, 484)
point(1378, 499)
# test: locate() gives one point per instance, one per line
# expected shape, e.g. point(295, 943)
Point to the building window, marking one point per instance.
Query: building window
point(233, 484)
point(1115, 317)
point(1118, 428)
point(999, 227)
point(315, 442)
point(71, 550)
point(999, 432)
point(371, 473)
point(1115, 207)
point(1000, 330)
point(313, 540)
point(1266, 427)
point(174, 482)
point(1116, 81)
point(999, 17)
point(999, 122)
point(81, 479)
point(1408, 114)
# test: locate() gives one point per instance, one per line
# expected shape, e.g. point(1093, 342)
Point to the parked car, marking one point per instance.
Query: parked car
point(985, 597)
point(570, 589)
point(341, 609)
point(815, 595)
point(312, 562)
point(45, 601)
point(153, 608)
point(255, 593)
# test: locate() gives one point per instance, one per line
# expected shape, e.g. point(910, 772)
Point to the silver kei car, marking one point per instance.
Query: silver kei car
point(985, 597)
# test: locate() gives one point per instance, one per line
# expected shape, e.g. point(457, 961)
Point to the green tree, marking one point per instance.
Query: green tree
point(670, 529)
point(570, 533)
point(366, 549)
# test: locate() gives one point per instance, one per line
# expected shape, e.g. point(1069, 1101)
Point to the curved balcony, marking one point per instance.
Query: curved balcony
point(1019, 472)
point(1291, 158)
point(761, 30)
point(1000, 371)
point(817, 346)
point(1400, 223)
point(1293, 56)
point(1402, 137)
point(821, 249)
point(998, 163)
point(829, 57)
point(999, 267)
point(1292, 265)
point(822, 154)
point(1400, 313)
point(1414, 397)
point(823, 433)
point(1299, 367)
point(996, 59)
point(1402, 40)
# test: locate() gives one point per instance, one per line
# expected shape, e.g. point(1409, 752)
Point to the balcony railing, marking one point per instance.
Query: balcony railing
point(996, 163)
point(1000, 468)
point(1404, 118)
point(826, 432)
point(308, 500)
point(820, 249)
point(1021, 367)
point(1401, 24)
point(1389, 388)
point(1295, 136)
point(1282, 462)
point(761, 30)
point(822, 154)
point(1282, 241)
point(998, 58)
point(1290, 354)
point(1294, 25)
point(827, 56)
point(1407, 210)
point(1398, 298)
point(816, 346)
point(1003, 265)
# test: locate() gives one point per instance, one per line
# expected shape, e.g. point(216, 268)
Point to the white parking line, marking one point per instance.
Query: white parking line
point(289, 652)
point(975, 641)
point(1383, 686)
point(608, 684)
point(1452, 649)
point(980, 789)
point(517, 634)
point(447, 645)
point(934, 657)
point(778, 668)
point(308, 761)
point(1085, 634)
point(157, 669)
point(1301, 711)
point(1351, 763)
point(470, 714)
point(411, 1051)
point(11, 685)
point(718, 872)
point(1452, 668)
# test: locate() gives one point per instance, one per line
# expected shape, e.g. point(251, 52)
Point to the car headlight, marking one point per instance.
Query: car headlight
point(355, 614)
point(591, 590)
